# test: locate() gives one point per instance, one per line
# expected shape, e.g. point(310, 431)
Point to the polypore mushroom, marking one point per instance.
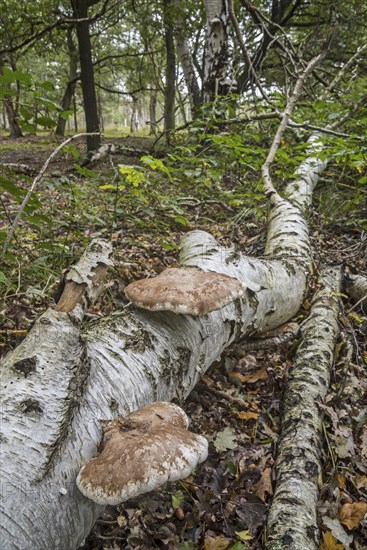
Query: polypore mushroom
point(140, 453)
point(185, 290)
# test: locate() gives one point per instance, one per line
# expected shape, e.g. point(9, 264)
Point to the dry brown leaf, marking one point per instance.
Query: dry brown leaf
point(361, 481)
point(244, 415)
point(364, 442)
point(216, 543)
point(264, 488)
point(351, 515)
point(341, 481)
point(330, 543)
point(261, 374)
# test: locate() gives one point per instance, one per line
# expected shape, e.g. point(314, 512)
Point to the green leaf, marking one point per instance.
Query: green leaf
point(23, 77)
point(177, 499)
point(46, 121)
point(231, 467)
point(36, 219)
point(31, 128)
point(66, 114)
point(10, 187)
point(3, 279)
point(83, 171)
point(108, 186)
point(244, 535)
point(26, 113)
point(47, 85)
point(51, 105)
point(72, 150)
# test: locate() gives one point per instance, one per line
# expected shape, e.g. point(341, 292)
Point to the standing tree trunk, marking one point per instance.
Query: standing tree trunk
point(14, 128)
point(216, 61)
point(169, 92)
point(186, 61)
point(80, 8)
point(153, 112)
point(70, 86)
point(11, 113)
point(134, 116)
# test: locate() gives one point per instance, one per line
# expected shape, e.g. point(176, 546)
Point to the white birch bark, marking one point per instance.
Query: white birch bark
point(356, 287)
point(64, 378)
point(292, 521)
point(216, 49)
point(187, 64)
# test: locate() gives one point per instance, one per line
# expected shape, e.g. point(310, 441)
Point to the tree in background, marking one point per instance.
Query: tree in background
point(80, 9)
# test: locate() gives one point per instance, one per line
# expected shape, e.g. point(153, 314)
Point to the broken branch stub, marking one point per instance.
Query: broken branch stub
point(185, 290)
point(82, 281)
point(140, 453)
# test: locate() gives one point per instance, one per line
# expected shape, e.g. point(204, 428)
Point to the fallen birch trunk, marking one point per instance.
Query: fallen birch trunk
point(65, 377)
point(292, 521)
point(356, 287)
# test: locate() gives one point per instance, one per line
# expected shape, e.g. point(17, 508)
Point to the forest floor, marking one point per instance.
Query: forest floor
point(237, 404)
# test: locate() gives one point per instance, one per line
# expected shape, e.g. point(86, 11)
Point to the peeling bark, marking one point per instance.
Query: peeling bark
point(292, 521)
point(81, 283)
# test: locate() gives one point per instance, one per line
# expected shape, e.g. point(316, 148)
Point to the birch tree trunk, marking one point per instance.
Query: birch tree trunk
point(292, 521)
point(186, 60)
point(216, 49)
point(65, 376)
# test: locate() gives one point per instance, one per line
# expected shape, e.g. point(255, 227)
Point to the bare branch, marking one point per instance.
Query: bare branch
point(265, 169)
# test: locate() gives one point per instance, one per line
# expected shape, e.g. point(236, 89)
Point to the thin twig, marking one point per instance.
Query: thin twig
point(265, 169)
point(245, 53)
point(36, 180)
point(340, 74)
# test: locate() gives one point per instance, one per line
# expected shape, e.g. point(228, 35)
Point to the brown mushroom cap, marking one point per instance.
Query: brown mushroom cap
point(185, 290)
point(140, 453)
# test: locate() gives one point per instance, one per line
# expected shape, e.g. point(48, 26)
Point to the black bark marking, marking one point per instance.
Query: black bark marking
point(74, 395)
point(30, 406)
point(26, 366)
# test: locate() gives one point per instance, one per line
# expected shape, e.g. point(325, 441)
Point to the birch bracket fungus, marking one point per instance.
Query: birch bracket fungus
point(185, 290)
point(140, 453)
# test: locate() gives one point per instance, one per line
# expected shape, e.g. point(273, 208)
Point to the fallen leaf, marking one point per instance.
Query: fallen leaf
point(216, 543)
point(329, 542)
point(244, 535)
point(341, 481)
point(364, 441)
point(177, 499)
point(351, 515)
point(361, 481)
point(338, 531)
point(225, 440)
point(261, 374)
point(243, 415)
point(121, 521)
point(345, 446)
point(265, 487)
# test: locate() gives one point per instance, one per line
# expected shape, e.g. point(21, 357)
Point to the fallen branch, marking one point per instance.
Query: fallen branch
point(356, 287)
point(292, 521)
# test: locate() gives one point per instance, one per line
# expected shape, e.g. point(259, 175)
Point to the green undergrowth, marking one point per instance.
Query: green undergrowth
point(207, 178)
